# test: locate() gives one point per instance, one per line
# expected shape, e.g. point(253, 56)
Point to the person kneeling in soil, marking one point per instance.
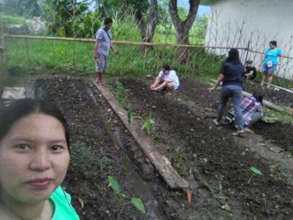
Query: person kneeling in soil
point(252, 111)
point(167, 79)
point(34, 158)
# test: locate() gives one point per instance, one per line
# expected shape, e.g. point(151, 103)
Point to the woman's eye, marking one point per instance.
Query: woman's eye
point(23, 146)
point(57, 148)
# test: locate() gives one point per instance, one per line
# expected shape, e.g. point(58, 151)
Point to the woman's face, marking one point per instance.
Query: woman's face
point(272, 46)
point(34, 158)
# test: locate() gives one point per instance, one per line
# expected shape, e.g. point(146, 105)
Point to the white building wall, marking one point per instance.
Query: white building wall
point(234, 23)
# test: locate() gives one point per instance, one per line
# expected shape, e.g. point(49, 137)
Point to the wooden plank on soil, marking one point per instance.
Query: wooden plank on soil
point(162, 164)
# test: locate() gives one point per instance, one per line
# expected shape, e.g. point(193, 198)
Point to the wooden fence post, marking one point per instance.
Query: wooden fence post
point(247, 50)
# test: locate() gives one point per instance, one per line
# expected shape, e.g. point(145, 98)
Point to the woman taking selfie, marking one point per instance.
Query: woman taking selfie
point(34, 158)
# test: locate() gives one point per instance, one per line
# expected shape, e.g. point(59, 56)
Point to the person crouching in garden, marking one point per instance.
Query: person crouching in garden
point(34, 158)
point(231, 75)
point(102, 48)
point(252, 111)
point(166, 79)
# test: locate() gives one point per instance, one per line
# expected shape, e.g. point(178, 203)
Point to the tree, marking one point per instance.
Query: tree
point(27, 8)
point(183, 26)
point(147, 28)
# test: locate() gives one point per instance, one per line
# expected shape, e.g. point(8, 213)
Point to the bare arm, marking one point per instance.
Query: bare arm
point(219, 80)
point(113, 48)
point(96, 48)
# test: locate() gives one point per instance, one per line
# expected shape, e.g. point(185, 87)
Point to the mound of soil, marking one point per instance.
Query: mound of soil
point(193, 142)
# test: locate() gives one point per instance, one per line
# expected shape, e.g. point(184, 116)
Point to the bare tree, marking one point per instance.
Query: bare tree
point(147, 28)
point(183, 26)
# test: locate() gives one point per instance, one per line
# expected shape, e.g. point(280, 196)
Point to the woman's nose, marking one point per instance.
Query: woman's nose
point(40, 161)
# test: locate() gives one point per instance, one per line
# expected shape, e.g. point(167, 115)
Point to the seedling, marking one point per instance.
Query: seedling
point(147, 125)
point(129, 114)
point(119, 92)
point(255, 171)
point(136, 202)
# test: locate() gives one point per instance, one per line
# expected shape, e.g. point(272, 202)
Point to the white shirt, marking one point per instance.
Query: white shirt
point(171, 76)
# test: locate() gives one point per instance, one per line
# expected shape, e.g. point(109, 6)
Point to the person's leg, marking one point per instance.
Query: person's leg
point(170, 86)
point(270, 79)
point(236, 99)
point(264, 74)
point(100, 67)
point(225, 95)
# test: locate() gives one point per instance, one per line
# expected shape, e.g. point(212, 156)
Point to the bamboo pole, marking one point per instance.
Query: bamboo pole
point(119, 42)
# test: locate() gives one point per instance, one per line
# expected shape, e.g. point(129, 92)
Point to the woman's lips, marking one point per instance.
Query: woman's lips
point(40, 183)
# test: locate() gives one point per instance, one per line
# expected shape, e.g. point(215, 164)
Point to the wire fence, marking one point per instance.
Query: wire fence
point(75, 56)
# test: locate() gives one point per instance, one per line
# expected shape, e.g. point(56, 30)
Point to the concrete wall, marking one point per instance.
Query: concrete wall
point(234, 23)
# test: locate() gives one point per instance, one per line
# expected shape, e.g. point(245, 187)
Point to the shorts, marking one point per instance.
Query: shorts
point(269, 70)
point(102, 63)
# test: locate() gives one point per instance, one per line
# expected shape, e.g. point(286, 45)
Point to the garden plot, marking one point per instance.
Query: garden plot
point(228, 181)
point(226, 164)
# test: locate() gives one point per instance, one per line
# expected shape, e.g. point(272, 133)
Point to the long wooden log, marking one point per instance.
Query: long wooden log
point(161, 162)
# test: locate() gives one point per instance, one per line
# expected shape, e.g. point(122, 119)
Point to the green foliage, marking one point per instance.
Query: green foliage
point(7, 19)
point(147, 125)
point(25, 8)
point(255, 170)
point(113, 183)
point(71, 18)
point(136, 202)
point(119, 93)
point(272, 116)
point(129, 115)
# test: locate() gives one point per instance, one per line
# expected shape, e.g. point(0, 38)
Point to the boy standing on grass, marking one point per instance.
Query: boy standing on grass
point(167, 79)
point(102, 47)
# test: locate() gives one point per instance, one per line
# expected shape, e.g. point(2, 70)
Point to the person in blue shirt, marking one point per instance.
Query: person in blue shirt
point(231, 75)
point(34, 158)
point(270, 63)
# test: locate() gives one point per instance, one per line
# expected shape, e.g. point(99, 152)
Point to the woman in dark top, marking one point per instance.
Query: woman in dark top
point(231, 75)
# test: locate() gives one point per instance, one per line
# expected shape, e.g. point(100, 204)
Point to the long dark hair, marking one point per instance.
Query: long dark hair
point(233, 56)
point(23, 107)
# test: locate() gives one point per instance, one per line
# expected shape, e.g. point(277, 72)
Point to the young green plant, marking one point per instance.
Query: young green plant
point(255, 171)
point(136, 202)
point(147, 125)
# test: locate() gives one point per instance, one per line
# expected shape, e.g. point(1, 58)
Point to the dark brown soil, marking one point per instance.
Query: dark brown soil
point(212, 151)
point(224, 187)
point(278, 133)
point(278, 97)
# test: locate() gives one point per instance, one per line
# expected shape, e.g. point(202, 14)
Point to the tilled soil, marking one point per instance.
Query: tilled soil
point(278, 97)
point(96, 155)
point(193, 142)
point(278, 133)
point(223, 185)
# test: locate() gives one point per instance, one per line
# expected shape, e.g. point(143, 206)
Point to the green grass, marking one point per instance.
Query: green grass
point(76, 58)
point(12, 19)
point(274, 116)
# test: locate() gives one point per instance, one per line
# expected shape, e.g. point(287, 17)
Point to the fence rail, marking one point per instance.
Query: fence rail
point(77, 53)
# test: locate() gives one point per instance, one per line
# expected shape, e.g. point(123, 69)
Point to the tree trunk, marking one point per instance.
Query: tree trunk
point(183, 27)
point(147, 29)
